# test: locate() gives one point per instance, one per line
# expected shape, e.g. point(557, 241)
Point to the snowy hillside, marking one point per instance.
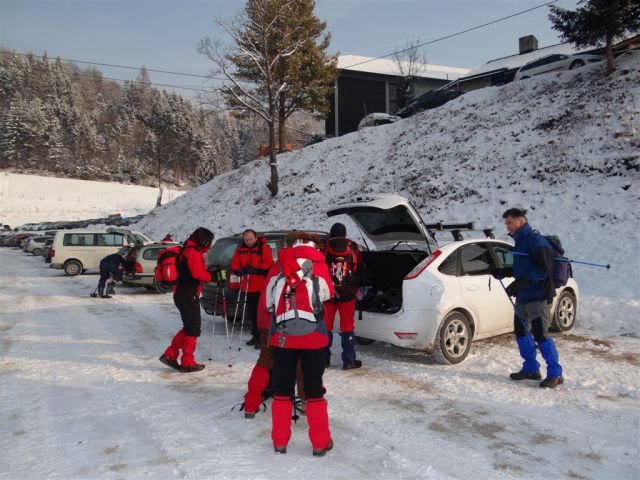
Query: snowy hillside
point(30, 198)
point(564, 146)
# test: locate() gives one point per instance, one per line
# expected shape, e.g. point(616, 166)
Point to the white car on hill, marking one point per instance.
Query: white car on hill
point(377, 118)
point(551, 63)
point(438, 298)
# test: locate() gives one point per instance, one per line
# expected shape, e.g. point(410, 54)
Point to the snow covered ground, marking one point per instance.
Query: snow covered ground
point(31, 198)
point(84, 396)
point(564, 145)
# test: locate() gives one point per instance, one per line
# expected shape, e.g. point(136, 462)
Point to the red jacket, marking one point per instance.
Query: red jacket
point(302, 327)
point(336, 249)
point(253, 264)
point(192, 269)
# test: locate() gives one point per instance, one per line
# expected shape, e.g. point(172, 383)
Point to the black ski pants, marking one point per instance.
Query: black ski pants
point(284, 371)
point(189, 308)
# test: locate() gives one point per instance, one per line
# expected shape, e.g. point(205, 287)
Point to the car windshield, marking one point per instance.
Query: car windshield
point(222, 251)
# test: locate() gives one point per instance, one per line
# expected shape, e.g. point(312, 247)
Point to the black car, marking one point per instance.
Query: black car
point(219, 257)
point(432, 99)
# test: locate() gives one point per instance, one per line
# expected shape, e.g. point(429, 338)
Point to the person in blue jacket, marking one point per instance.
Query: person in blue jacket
point(534, 291)
point(109, 270)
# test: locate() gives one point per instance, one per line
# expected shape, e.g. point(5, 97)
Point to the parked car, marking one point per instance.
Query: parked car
point(25, 240)
point(429, 100)
point(375, 119)
point(16, 239)
point(35, 244)
point(76, 251)
point(420, 295)
point(554, 62)
point(46, 248)
point(219, 257)
point(142, 263)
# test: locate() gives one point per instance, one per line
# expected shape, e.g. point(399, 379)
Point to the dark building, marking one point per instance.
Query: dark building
point(372, 86)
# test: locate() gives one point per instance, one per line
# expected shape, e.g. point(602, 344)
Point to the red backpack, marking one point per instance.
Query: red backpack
point(166, 271)
point(342, 267)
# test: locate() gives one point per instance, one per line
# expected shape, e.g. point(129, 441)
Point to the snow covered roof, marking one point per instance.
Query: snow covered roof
point(387, 66)
point(518, 60)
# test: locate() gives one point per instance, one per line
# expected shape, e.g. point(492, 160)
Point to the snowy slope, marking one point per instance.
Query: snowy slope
point(84, 397)
point(31, 198)
point(564, 146)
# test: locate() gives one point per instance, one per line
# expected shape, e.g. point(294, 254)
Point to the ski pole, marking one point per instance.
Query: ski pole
point(568, 260)
point(244, 309)
point(235, 313)
point(226, 323)
point(213, 320)
point(515, 309)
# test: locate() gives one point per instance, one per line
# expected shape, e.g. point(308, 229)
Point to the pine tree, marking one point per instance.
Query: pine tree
point(597, 22)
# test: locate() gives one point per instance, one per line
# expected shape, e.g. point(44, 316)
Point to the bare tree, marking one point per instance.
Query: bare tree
point(410, 63)
point(252, 63)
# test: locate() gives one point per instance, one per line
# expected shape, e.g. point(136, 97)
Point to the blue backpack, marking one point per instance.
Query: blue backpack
point(561, 271)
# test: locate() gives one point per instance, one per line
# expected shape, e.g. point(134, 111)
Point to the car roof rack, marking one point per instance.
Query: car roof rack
point(457, 228)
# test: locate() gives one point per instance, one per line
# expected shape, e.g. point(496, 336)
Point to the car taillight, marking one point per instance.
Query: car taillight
point(406, 335)
point(137, 267)
point(418, 269)
point(52, 253)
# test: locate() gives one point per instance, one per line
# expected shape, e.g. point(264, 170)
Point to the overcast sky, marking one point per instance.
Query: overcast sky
point(163, 34)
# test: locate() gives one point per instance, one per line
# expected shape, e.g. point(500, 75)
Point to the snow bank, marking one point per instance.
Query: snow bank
point(30, 198)
point(565, 146)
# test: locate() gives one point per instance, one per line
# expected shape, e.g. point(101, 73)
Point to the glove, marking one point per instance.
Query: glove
point(500, 273)
point(517, 285)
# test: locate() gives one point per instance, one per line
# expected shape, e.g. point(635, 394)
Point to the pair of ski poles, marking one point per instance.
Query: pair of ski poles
point(221, 284)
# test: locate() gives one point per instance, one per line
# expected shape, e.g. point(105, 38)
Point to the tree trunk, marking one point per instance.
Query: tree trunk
point(159, 199)
point(272, 184)
point(609, 52)
point(282, 125)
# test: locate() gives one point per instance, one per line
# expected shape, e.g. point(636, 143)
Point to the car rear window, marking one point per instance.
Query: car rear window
point(152, 253)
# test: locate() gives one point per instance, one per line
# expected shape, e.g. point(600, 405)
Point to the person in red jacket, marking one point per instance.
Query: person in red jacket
point(344, 261)
point(294, 296)
point(251, 262)
point(192, 272)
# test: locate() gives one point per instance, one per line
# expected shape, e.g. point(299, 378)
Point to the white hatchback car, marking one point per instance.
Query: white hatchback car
point(377, 118)
point(554, 62)
point(420, 295)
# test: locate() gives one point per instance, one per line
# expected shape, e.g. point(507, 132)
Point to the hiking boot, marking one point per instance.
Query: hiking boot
point(351, 366)
point(169, 362)
point(249, 414)
point(321, 452)
point(196, 367)
point(525, 376)
point(253, 341)
point(280, 449)
point(104, 296)
point(93, 295)
point(551, 382)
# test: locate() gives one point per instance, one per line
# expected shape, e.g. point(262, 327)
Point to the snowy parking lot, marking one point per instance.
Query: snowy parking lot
point(84, 396)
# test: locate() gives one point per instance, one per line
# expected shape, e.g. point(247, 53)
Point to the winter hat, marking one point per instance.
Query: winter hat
point(338, 230)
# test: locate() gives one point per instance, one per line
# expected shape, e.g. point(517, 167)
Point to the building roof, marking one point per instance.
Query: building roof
point(518, 60)
point(387, 66)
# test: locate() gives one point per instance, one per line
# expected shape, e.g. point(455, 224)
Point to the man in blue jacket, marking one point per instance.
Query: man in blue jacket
point(534, 291)
point(109, 271)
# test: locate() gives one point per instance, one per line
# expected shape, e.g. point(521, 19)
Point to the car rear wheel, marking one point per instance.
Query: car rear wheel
point(363, 341)
point(72, 268)
point(565, 315)
point(37, 251)
point(576, 64)
point(453, 339)
point(163, 287)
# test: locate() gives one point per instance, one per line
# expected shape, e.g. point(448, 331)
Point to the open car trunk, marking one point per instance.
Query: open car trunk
point(398, 240)
point(381, 281)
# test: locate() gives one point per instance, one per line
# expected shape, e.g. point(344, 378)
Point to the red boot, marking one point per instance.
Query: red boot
point(257, 384)
point(170, 355)
point(318, 420)
point(281, 410)
point(188, 363)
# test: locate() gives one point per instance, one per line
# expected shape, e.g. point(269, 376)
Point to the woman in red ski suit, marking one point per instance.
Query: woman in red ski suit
point(251, 263)
point(294, 295)
point(192, 272)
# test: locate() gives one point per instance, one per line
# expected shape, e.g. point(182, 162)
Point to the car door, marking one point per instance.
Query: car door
point(106, 244)
point(551, 63)
point(481, 292)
